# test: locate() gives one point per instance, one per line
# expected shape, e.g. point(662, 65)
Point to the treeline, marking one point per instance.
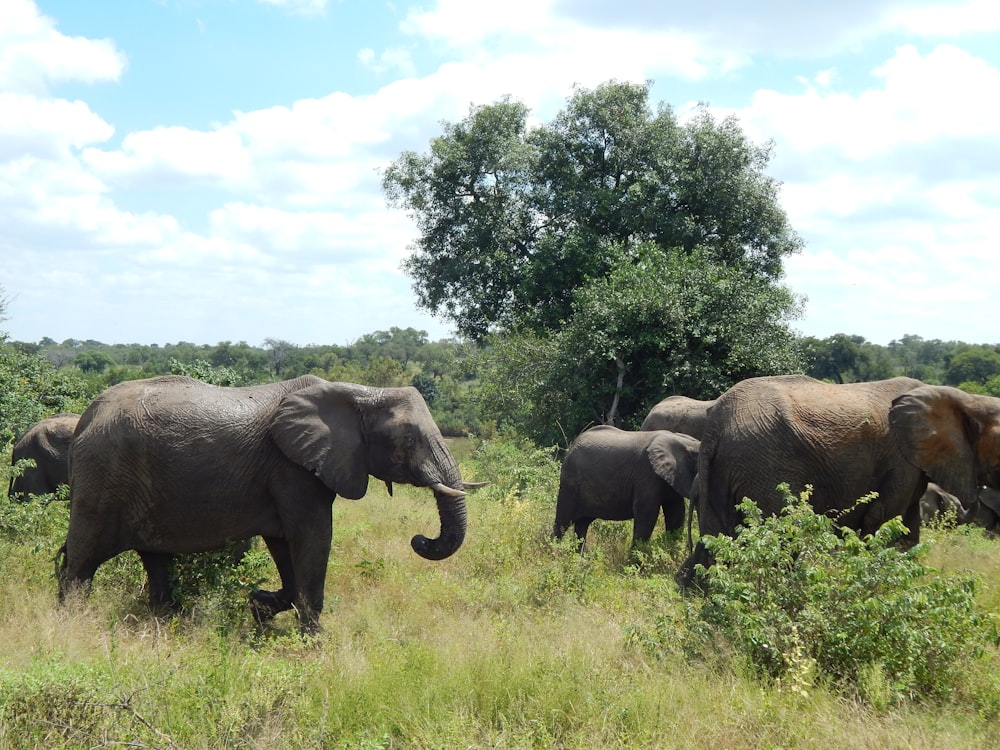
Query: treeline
point(448, 372)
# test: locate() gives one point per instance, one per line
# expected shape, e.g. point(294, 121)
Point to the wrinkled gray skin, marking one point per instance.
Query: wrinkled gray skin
point(679, 414)
point(47, 442)
point(889, 436)
point(172, 465)
point(618, 475)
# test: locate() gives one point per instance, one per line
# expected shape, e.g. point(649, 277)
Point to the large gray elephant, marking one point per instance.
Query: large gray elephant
point(616, 475)
point(47, 442)
point(172, 465)
point(679, 414)
point(888, 436)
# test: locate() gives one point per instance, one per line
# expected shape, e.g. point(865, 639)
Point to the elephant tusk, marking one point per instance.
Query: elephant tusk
point(446, 490)
point(474, 485)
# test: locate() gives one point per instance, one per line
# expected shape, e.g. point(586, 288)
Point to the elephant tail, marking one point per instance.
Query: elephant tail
point(690, 523)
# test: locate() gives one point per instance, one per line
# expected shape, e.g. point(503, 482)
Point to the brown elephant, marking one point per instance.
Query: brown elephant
point(618, 475)
point(679, 414)
point(172, 465)
point(47, 442)
point(888, 436)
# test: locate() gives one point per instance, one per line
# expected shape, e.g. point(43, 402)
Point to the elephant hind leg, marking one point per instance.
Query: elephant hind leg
point(157, 567)
point(76, 572)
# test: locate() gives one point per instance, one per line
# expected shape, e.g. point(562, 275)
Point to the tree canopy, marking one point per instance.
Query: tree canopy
point(623, 253)
point(513, 219)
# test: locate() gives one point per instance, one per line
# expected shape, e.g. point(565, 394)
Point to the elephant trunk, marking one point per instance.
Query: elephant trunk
point(969, 515)
point(450, 495)
point(451, 508)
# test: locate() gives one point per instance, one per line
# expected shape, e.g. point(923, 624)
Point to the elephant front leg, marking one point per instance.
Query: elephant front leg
point(310, 553)
point(266, 604)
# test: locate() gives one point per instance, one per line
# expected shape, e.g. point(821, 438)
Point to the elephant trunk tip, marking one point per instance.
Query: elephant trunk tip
point(435, 549)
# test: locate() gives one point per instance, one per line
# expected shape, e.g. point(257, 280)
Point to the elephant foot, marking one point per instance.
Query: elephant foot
point(266, 604)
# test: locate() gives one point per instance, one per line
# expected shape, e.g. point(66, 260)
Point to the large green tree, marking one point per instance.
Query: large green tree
point(513, 219)
point(658, 324)
point(620, 252)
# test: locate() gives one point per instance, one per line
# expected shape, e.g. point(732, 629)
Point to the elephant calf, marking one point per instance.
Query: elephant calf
point(616, 475)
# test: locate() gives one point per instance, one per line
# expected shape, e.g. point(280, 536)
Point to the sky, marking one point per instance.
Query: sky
point(209, 170)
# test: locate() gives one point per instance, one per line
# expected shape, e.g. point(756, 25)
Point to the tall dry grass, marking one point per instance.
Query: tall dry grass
point(512, 643)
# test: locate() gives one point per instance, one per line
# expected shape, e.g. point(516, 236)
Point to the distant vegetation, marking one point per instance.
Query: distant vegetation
point(460, 381)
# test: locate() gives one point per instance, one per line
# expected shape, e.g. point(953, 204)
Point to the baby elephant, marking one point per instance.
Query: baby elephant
point(617, 475)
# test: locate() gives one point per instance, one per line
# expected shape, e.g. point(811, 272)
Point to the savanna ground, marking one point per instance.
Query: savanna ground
point(512, 643)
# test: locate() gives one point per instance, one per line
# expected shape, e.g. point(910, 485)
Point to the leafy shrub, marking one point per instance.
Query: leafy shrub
point(217, 584)
point(800, 598)
point(515, 468)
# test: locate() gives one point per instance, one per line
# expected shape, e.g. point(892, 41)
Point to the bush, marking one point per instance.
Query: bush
point(801, 599)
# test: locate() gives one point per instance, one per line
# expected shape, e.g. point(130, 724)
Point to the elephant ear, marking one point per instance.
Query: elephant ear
point(937, 433)
point(991, 499)
point(321, 429)
point(669, 458)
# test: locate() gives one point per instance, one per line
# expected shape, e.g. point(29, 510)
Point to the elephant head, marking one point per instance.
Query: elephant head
point(344, 432)
point(952, 436)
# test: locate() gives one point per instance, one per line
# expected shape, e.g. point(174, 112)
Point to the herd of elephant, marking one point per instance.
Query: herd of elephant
point(172, 465)
point(924, 449)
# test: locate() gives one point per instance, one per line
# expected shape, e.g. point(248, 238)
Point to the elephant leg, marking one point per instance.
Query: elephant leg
point(310, 553)
point(267, 604)
point(643, 525)
point(687, 576)
point(674, 512)
point(75, 570)
point(581, 526)
point(157, 567)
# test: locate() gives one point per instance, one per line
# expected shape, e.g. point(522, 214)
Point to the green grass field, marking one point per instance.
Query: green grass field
point(512, 643)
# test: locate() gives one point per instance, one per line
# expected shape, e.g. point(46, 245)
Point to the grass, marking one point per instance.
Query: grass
point(512, 643)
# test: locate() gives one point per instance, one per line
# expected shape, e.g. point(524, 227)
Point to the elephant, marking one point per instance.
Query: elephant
point(889, 436)
point(47, 442)
point(679, 414)
point(935, 501)
point(616, 475)
point(173, 465)
point(987, 514)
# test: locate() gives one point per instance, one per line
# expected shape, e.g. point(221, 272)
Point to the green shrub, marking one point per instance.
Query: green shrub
point(800, 598)
point(515, 466)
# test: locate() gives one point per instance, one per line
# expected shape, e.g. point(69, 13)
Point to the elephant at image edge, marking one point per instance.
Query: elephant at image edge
point(889, 436)
point(618, 475)
point(172, 465)
point(47, 442)
point(987, 514)
point(679, 414)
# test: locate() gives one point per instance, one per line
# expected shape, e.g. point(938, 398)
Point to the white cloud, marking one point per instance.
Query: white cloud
point(947, 19)
point(33, 54)
point(169, 154)
point(885, 188)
